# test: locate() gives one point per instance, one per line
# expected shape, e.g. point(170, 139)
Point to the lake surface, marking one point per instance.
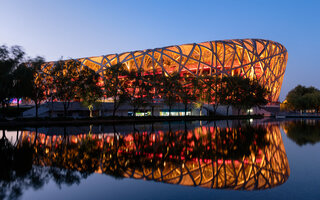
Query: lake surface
point(261, 159)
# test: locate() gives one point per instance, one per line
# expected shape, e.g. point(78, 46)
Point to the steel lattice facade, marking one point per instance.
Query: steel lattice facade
point(259, 59)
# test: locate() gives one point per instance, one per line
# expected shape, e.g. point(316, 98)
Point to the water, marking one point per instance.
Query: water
point(177, 160)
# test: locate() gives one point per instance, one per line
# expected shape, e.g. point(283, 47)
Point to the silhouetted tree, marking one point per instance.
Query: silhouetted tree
point(247, 93)
point(37, 93)
point(211, 93)
point(22, 82)
point(90, 89)
point(9, 60)
point(241, 93)
point(167, 89)
point(114, 85)
point(185, 91)
point(65, 80)
point(138, 89)
point(152, 81)
point(199, 90)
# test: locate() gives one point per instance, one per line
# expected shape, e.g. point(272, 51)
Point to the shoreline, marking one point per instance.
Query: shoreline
point(67, 121)
point(115, 120)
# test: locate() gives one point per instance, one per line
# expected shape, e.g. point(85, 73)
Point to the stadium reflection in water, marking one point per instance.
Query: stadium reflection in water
point(240, 158)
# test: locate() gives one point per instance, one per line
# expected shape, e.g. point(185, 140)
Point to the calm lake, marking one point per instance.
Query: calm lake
point(254, 159)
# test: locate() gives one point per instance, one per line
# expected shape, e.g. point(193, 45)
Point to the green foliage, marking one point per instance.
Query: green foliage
point(303, 98)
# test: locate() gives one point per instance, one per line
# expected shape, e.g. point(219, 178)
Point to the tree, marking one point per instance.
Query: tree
point(241, 93)
point(22, 82)
point(238, 88)
point(139, 90)
point(211, 94)
point(302, 98)
point(153, 82)
point(184, 91)
point(248, 93)
point(9, 60)
point(315, 103)
point(65, 75)
point(167, 88)
point(199, 89)
point(89, 88)
point(37, 93)
point(224, 92)
point(114, 86)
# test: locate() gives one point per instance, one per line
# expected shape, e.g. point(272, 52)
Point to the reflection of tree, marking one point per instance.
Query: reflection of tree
point(6, 156)
point(18, 172)
point(238, 142)
point(81, 156)
point(110, 164)
point(63, 176)
point(304, 131)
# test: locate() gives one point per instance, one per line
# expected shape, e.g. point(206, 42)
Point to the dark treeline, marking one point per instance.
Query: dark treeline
point(68, 81)
point(16, 80)
point(22, 77)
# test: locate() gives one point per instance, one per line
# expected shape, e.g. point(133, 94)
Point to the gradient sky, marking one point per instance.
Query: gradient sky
point(79, 28)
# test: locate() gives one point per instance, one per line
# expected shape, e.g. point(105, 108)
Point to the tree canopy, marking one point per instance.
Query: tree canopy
point(303, 98)
point(89, 88)
point(65, 75)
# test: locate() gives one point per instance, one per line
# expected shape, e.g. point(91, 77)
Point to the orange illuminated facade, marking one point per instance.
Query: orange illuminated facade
point(259, 59)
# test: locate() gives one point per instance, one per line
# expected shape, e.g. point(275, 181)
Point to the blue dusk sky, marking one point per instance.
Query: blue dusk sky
point(78, 28)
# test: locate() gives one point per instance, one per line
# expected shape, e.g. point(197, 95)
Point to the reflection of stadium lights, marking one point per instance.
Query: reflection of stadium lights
point(264, 168)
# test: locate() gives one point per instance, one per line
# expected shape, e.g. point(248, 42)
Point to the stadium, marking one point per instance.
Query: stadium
point(258, 59)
